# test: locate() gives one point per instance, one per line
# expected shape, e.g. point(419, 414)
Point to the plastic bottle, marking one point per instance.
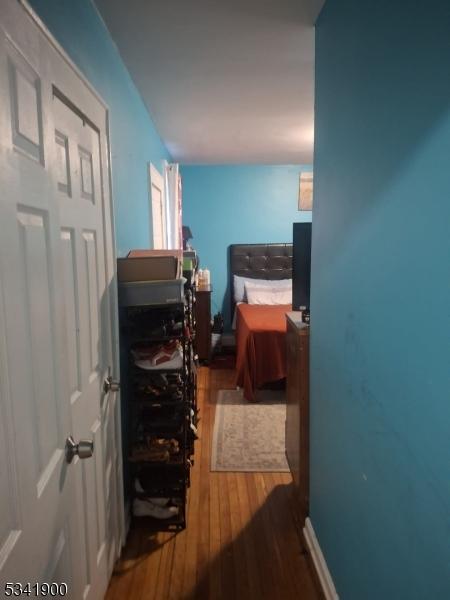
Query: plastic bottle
point(206, 277)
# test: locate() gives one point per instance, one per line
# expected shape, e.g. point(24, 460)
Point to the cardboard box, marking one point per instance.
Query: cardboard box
point(139, 253)
point(148, 268)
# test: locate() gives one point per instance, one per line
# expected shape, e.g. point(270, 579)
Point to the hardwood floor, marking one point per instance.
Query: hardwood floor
point(241, 541)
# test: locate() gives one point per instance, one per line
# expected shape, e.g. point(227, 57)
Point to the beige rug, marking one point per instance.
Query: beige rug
point(249, 436)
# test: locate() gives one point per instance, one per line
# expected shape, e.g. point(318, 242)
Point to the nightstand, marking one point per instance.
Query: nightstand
point(203, 322)
point(297, 408)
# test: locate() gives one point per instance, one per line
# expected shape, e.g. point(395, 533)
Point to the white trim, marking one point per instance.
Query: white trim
point(115, 346)
point(319, 561)
point(174, 203)
point(165, 166)
point(157, 180)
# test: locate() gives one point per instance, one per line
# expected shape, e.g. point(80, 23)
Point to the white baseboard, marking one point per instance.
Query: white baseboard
point(320, 564)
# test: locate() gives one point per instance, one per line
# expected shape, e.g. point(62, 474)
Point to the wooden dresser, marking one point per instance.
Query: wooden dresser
point(203, 326)
point(297, 412)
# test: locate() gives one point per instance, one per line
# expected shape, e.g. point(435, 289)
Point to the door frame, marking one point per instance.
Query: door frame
point(155, 177)
point(110, 270)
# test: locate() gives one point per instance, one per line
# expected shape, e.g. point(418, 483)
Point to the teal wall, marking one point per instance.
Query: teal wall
point(380, 299)
point(238, 204)
point(78, 27)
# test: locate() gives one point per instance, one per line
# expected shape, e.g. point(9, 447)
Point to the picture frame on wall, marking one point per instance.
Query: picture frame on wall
point(305, 191)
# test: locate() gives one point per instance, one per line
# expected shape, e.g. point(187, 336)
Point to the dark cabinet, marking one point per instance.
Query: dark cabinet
point(203, 323)
point(297, 409)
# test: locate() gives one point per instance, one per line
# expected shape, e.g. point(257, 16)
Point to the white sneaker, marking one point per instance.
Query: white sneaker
point(157, 501)
point(144, 508)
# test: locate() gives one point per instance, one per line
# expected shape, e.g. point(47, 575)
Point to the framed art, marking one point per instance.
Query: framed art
point(305, 191)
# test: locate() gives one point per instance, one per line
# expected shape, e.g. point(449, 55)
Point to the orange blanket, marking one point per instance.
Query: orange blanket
point(260, 345)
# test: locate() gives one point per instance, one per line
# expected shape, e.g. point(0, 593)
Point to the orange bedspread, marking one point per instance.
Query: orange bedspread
point(260, 345)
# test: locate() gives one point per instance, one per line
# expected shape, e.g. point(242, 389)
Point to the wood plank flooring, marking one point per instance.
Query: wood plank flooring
point(242, 540)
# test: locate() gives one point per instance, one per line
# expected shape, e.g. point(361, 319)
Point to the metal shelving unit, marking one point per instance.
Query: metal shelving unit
point(159, 405)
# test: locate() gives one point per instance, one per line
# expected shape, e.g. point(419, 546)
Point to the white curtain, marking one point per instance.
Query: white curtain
point(173, 206)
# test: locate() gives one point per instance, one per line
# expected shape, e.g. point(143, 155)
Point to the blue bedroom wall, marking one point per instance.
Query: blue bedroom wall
point(238, 204)
point(380, 298)
point(134, 140)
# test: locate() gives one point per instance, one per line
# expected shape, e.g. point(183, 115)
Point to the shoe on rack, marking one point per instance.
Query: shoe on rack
point(145, 508)
point(168, 355)
point(176, 501)
point(156, 501)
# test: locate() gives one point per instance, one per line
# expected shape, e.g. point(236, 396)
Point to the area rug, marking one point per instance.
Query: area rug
point(249, 436)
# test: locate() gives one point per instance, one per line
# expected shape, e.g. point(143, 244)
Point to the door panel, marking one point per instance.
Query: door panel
point(26, 105)
point(39, 356)
point(71, 302)
point(91, 286)
point(59, 564)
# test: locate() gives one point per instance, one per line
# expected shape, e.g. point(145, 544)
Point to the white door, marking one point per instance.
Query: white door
point(158, 212)
point(58, 521)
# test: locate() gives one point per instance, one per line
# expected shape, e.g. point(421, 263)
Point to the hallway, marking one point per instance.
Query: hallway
point(242, 539)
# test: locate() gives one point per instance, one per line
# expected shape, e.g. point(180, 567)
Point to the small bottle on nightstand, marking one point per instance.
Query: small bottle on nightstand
point(305, 314)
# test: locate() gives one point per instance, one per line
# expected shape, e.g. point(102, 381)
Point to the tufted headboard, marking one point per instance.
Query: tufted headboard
point(260, 261)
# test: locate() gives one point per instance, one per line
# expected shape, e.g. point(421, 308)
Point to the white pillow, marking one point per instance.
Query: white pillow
point(239, 285)
point(269, 295)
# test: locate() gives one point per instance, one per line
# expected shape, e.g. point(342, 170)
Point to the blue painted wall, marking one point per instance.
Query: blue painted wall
point(78, 27)
point(380, 299)
point(238, 204)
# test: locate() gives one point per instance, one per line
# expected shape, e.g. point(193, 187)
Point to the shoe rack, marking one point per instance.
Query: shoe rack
point(159, 405)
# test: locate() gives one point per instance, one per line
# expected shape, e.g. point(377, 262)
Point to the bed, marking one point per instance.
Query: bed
point(260, 329)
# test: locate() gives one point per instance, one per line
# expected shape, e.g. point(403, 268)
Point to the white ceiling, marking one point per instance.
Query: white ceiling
point(226, 81)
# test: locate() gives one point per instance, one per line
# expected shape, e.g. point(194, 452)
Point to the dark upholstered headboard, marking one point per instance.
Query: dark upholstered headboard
point(260, 261)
